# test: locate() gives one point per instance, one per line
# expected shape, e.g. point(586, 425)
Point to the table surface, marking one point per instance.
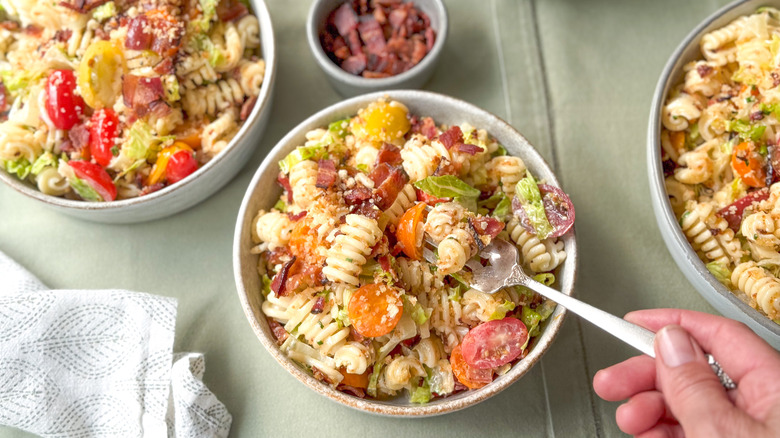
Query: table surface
point(575, 77)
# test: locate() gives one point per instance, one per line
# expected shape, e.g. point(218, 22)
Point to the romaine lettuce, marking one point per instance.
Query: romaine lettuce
point(84, 190)
point(301, 153)
point(528, 194)
point(720, 272)
point(501, 310)
point(19, 167)
point(47, 159)
point(104, 11)
point(339, 128)
point(450, 186)
point(745, 130)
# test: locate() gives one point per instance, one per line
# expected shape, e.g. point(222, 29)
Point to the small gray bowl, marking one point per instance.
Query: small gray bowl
point(263, 192)
point(196, 187)
point(348, 84)
point(720, 297)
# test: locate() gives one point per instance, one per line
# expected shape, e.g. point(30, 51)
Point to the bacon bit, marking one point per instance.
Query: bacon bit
point(381, 247)
point(285, 183)
point(246, 108)
point(380, 173)
point(102, 33)
point(388, 190)
point(397, 249)
point(67, 146)
point(459, 387)
point(419, 49)
point(151, 189)
point(344, 19)
point(397, 17)
point(373, 74)
point(302, 276)
point(775, 79)
point(159, 108)
point(139, 34)
point(319, 306)
point(279, 283)
point(353, 41)
point(390, 154)
point(277, 255)
point(168, 31)
point(139, 93)
point(9, 25)
point(3, 98)
point(230, 10)
point(326, 174)
point(428, 128)
point(355, 64)
point(319, 375)
point(486, 226)
point(82, 6)
point(357, 195)
point(446, 167)
point(430, 38)
point(411, 341)
point(79, 137)
point(704, 70)
point(669, 167)
point(451, 137)
point(165, 67)
point(279, 332)
point(62, 35)
point(357, 337)
point(368, 209)
point(380, 16)
point(357, 392)
point(756, 116)
point(33, 30)
point(468, 148)
point(297, 216)
point(371, 34)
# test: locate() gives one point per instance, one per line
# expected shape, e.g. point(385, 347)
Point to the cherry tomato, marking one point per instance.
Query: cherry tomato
point(96, 176)
point(63, 105)
point(431, 200)
point(100, 73)
point(494, 343)
point(409, 229)
point(375, 309)
point(472, 377)
point(733, 212)
point(557, 207)
point(160, 168)
point(303, 242)
point(355, 380)
point(181, 165)
point(749, 164)
point(103, 128)
point(382, 120)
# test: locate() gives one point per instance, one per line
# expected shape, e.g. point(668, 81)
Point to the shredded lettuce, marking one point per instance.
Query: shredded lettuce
point(745, 130)
point(374, 378)
point(528, 194)
point(209, 8)
point(47, 159)
point(84, 189)
point(139, 141)
point(362, 167)
point(339, 128)
point(546, 278)
point(171, 85)
point(420, 394)
point(503, 209)
point(531, 319)
point(501, 310)
point(416, 311)
point(342, 318)
point(455, 294)
point(721, 272)
point(19, 80)
point(266, 285)
point(301, 153)
point(500, 151)
point(104, 11)
point(450, 186)
point(19, 167)
point(281, 206)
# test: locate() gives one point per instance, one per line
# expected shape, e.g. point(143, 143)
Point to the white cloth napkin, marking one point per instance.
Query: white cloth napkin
point(97, 363)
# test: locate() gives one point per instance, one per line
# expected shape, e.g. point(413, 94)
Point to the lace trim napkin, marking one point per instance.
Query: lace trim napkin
point(79, 363)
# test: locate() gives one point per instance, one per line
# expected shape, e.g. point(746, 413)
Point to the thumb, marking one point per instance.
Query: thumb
point(693, 392)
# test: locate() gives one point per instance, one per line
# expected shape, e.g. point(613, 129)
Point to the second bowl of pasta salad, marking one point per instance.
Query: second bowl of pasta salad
point(109, 108)
point(714, 162)
point(329, 266)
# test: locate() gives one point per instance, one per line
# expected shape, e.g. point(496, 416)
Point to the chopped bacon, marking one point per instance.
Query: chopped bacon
point(704, 70)
point(3, 97)
point(775, 79)
point(344, 19)
point(447, 167)
point(468, 148)
point(151, 189)
point(374, 74)
point(388, 190)
point(9, 25)
point(139, 34)
point(62, 35)
point(430, 38)
point(419, 50)
point(318, 306)
point(33, 30)
point(425, 126)
point(297, 216)
point(355, 336)
point(380, 173)
point(487, 226)
point(165, 67)
point(371, 34)
point(279, 283)
point(279, 332)
point(354, 390)
point(326, 174)
point(67, 146)
point(277, 255)
point(229, 10)
point(159, 109)
point(353, 41)
point(382, 247)
point(355, 64)
point(397, 17)
point(319, 375)
point(340, 49)
point(285, 183)
point(139, 93)
point(302, 276)
point(380, 16)
point(357, 195)
point(451, 137)
point(168, 32)
point(390, 154)
point(246, 108)
point(79, 136)
point(82, 6)
point(367, 209)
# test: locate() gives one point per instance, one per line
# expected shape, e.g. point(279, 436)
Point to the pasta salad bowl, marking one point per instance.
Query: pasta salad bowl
point(702, 133)
point(118, 121)
point(404, 353)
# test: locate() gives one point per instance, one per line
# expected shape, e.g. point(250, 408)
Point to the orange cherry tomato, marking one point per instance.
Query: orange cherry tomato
point(678, 139)
point(749, 164)
point(471, 377)
point(160, 166)
point(303, 241)
point(355, 380)
point(375, 309)
point(409, 231)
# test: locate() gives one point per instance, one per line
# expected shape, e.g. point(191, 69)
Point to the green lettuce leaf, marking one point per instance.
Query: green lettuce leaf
point(301, 153)
point(84, 189)
point(20, 167)
point(47, 159)
point(501, 310)
point(501, 151)
point(450, 186)
point(266, 285)
point(721, 272)
point(546, 278)
point(531, 319)
point(104, 11)
point(527, 192)
point(420, 394)
point(503, 209)
point(281, 206)
point(745, 130)
point(339, 128)
point(374, 378)
point(139, 141)
point(416, 311)
point(209, 8)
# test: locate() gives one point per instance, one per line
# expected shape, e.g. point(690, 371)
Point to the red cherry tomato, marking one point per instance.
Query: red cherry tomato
point(734, 211)
point(96, 176)
point(63, 105)
point(180, 165)
point(494, 343)
point(103, 128)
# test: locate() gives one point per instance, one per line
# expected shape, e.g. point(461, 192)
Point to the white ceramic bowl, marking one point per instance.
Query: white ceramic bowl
point(202, 183)
point(263, 192)
point(708, 286)
point(348, 84)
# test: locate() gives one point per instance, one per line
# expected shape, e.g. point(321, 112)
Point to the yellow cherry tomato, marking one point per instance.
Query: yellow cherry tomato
point(158, 171)
point(382, 121)
point(100, 74)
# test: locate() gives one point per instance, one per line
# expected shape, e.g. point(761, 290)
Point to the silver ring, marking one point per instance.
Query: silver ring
point(724, 378)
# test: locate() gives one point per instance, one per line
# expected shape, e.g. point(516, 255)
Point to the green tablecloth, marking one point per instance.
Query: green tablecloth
point(576, 77)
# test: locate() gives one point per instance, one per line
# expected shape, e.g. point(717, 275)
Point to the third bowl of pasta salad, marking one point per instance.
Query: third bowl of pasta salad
point(106, 107)
point(329, 265)
point(714, 159)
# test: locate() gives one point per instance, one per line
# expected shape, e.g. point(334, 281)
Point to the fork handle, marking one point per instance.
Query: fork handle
point(632, 334)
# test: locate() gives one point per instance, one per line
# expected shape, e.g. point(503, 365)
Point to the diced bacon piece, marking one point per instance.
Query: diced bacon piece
point(366, 208)
point(372, 35)
point(62, 35)
point(277, 255)
point(318, 306)
point(468, 148)
point(385, 194)
point(279, 282)
point(139, 93)
point(447, 167)
point(380, 16)
point(9, 25)
point(380, 173)
point(357, 195)
point(390, 154)
point(733, 212)
point(397, 17)
point(345, 19)
point(419, 51)
point(402, 47)
point(326, 174)
point(374, 74)
point(3, 97)
point(278, 331)
point(451, 137)
point(246, 107)
point(229, 10)
point(79, 136)
point(33, 30)
point(430, 38)
point(139, 34)
point(353, 41)
point(285, 183)
point(354, 64)
point(297, 216)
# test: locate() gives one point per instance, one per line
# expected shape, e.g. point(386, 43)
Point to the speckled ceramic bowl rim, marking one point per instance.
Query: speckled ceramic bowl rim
point(666, 218)
point(263, 101)
point(332, 69)
point(446, 405)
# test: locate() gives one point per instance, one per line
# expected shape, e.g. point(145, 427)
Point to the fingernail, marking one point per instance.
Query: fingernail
point(675, 346)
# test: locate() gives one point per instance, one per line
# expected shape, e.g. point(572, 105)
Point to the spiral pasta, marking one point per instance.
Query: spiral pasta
point(350, 249)
point(762, 287)
point(421, 158)
point(272, 227)
point(506, 172)
point(538, 256)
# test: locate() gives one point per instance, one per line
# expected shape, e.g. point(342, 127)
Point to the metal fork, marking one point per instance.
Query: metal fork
point(503, 270)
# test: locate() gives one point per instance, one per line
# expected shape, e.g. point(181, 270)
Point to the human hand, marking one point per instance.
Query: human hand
point(677, 394)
